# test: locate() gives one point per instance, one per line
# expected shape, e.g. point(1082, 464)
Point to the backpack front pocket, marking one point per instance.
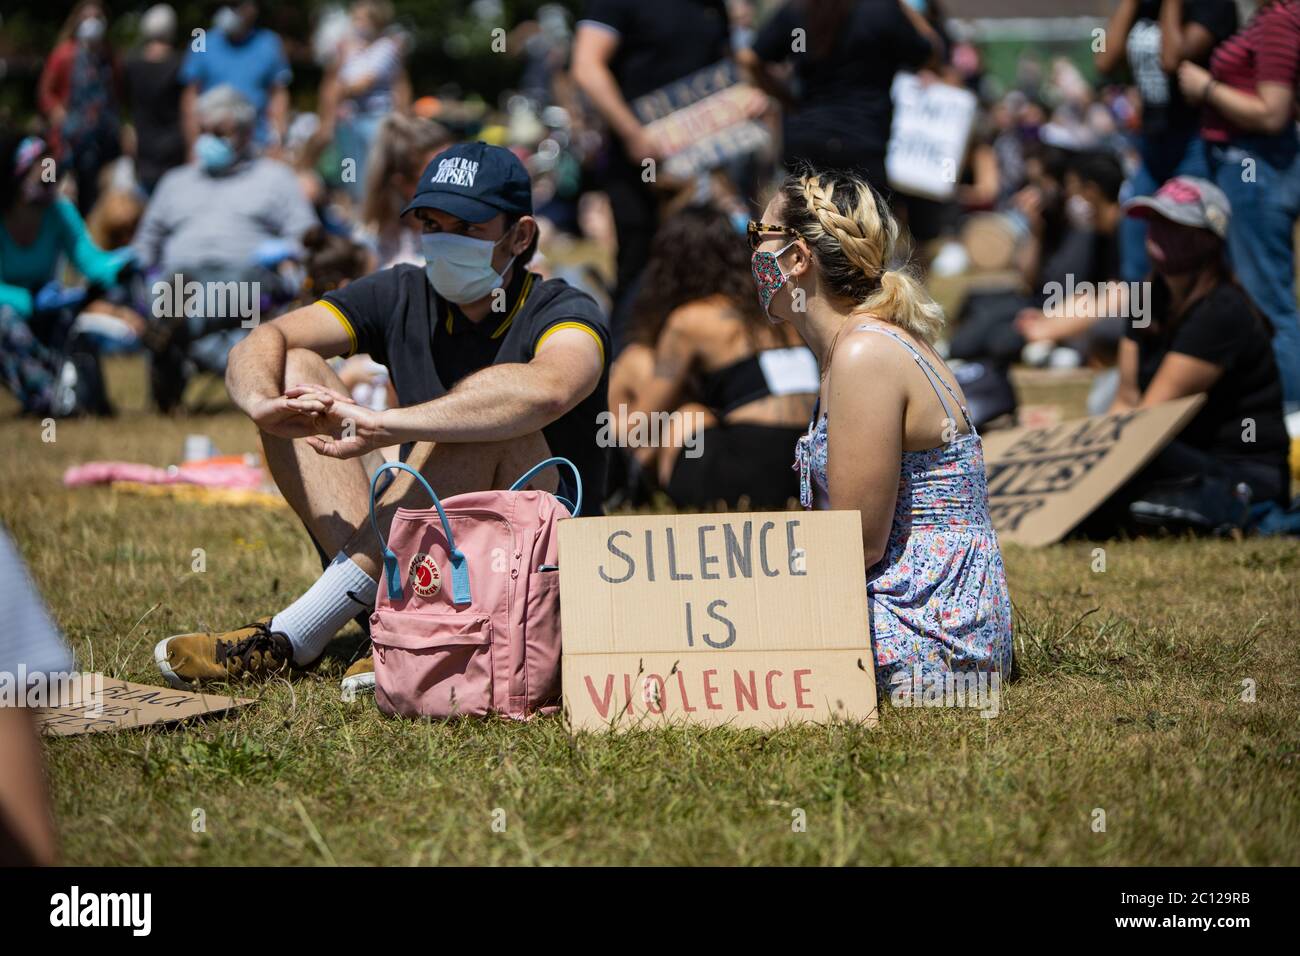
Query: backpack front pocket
point(432, 665)
point(539, 664)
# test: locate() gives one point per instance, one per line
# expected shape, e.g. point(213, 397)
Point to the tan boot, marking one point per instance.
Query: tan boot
point(246, 653)
point(359, 679)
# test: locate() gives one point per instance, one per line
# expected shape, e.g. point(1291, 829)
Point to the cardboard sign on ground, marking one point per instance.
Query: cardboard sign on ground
point(122, 705)
point(702, 121)
point(1044, 481)
point(751, 620)
point(927, 144)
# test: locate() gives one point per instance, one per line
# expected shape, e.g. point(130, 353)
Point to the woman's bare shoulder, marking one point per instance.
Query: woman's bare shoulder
point(864, 349)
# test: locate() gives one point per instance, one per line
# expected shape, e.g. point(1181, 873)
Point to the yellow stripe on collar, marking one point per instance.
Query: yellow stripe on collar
point(519, 304)
point(514, 310)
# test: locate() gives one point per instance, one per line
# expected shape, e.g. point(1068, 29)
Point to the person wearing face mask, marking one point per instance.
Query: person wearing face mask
point(208, 222)
point(1205, 337)
point(38, 228)
point(79, 93)
point(251, 59)
point(494, 369)
point(891, 437)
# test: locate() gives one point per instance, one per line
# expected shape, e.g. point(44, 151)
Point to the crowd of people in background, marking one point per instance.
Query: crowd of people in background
point(183, 160)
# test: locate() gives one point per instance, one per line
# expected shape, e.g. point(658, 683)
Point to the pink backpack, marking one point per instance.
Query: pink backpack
point(476, 628)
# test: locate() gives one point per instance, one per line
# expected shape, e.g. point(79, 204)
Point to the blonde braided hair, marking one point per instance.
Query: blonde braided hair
point(855, 241)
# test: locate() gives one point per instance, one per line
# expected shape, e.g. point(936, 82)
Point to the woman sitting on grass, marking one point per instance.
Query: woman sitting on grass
point(1204, 336)
point(891, 438)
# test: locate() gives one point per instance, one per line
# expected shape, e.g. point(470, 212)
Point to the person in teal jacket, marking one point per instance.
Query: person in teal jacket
point(37, 229)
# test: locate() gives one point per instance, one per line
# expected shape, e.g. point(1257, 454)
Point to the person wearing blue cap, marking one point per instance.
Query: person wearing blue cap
point(494, 369)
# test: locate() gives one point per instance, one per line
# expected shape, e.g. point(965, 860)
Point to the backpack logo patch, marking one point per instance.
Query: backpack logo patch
point(423, 573)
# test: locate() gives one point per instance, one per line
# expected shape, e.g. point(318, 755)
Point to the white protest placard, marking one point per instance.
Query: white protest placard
point(927, 143)
point(751, 620)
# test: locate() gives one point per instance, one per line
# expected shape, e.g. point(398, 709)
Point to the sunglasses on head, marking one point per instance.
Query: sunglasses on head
point(760, 232)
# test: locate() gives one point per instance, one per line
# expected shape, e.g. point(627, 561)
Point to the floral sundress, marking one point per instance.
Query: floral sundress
point(937, 601)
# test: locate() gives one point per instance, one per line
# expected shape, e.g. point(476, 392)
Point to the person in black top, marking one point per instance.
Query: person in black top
point(1154, 36)
point(154, 91)
point(1205, 336)
point(739, 388)
point(495, 371)
point(845, 54)
point(622, 50)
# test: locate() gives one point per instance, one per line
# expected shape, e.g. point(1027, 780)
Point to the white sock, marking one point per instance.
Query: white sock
point(312, 621)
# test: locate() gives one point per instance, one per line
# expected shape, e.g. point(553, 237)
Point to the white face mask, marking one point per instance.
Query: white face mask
point(91, 29)
point(460, 267)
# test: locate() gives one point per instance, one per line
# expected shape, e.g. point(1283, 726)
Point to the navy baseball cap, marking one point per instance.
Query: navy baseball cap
point(474, 182)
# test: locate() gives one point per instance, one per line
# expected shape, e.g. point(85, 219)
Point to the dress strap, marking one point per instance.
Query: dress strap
point(936, 380)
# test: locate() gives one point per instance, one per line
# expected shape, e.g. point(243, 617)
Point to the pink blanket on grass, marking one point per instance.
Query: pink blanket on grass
point(198, 473)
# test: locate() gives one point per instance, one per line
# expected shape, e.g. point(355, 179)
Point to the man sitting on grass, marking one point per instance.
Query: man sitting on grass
point(508, 369)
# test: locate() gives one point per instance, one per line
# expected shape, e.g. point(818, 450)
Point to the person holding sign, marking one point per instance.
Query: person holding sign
point(844, 54)
point(893, 439)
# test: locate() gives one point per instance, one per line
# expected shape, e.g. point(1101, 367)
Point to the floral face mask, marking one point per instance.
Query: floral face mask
point(768, 276)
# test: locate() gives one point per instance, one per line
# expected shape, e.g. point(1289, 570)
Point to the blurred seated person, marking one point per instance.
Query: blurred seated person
point(212, 221)
point(112, 322)
point(38, 228)
point(1091, 325)
point(1070, 213)
point(403, 146)
point(47, 366)
point(331, 262)
point(1205, 336)
point(741, 389)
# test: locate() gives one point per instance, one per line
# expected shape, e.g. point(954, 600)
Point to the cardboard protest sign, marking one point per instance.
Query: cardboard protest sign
point(1044, 481)
point(120, 705)
point(752, 620)
point(702, 121)
point(927, 143)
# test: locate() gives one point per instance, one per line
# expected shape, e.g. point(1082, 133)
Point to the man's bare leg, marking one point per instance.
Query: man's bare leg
point(331, 496)
point(350, 583)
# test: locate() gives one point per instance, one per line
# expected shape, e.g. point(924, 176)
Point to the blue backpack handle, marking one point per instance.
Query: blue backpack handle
point(459, 566)
point(577, 478)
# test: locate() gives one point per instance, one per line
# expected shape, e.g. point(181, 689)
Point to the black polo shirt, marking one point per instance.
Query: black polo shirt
point(428, 345)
